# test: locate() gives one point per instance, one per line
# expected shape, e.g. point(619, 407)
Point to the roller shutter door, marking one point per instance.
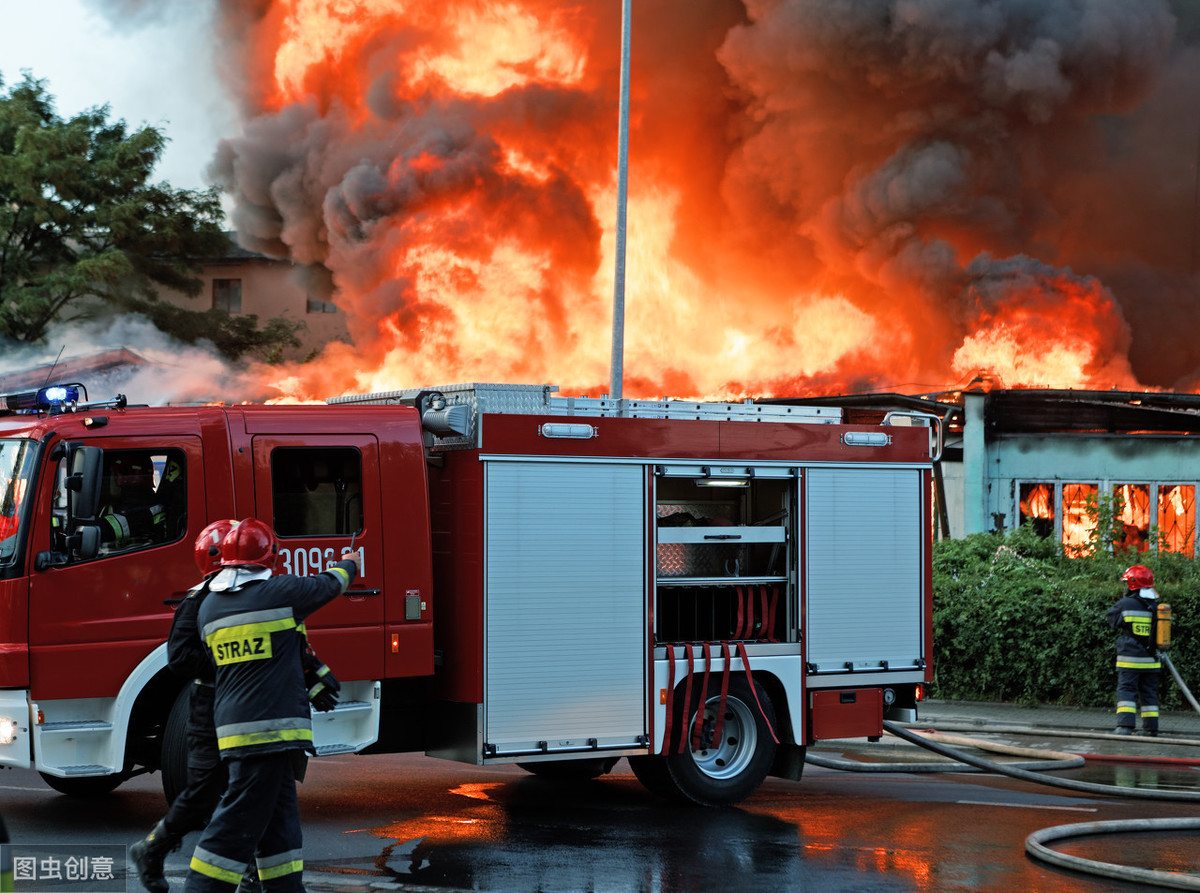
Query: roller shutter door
point(565, 606)
point(864, 551)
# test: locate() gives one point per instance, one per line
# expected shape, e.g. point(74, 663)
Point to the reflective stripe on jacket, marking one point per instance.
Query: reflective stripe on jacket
point(255, 636)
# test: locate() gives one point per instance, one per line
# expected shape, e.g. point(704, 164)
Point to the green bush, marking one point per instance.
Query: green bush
point(1015, 620)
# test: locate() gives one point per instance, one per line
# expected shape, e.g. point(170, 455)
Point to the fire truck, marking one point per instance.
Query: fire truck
point(558, 582)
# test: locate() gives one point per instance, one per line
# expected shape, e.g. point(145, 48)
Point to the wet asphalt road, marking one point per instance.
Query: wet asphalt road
point(411, 822)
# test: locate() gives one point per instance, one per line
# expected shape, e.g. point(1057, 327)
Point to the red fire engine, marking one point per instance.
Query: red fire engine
point(703, 588)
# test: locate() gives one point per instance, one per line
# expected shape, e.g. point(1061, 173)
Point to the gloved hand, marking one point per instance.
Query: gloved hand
point(323, 688)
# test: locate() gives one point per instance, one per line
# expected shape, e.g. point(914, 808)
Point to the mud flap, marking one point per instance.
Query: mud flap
point(789, 762)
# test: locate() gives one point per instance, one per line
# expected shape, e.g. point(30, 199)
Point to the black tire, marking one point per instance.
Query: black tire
point(87, 787)
point(173, 760)
point(571, 770)
point(721, 773)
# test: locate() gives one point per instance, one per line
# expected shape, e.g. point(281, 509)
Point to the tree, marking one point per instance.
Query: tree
point(84, 231)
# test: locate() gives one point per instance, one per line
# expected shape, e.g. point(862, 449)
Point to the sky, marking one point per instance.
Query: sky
point(151, 68)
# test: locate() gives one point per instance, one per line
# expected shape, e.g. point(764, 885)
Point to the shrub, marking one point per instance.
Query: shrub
point(1016, 620)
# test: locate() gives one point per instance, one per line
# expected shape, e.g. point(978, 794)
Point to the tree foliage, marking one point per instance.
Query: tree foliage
point(1014, 619)
point(83, 230)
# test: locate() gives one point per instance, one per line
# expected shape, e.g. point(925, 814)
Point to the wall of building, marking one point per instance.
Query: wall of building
point(269, 289)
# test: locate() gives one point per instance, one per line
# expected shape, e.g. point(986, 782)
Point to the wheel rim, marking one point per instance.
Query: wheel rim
point(731, 755)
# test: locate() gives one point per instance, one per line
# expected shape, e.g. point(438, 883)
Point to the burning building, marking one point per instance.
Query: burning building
point(1063, 461)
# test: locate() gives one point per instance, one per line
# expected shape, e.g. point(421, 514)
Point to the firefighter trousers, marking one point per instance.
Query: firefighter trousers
point(1136, 687)
point(258, 818)
point(206, 776)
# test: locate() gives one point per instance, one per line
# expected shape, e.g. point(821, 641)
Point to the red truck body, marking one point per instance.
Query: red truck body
point(547, 580)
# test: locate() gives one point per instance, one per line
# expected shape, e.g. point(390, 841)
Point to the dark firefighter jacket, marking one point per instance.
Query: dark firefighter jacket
point(188, 657)
point(186, 654)
point(253, 632)
point(1133, 619)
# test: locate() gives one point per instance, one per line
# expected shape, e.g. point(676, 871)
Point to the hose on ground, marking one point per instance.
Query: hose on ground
point(1025, 775)
point(1051, 759)
point(1178, 681)
point(1035, 845)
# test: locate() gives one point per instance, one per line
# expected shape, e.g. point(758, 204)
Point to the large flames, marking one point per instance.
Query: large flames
point(822, 195)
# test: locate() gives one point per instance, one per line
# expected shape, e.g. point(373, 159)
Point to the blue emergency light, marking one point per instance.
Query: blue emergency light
point(52, 399)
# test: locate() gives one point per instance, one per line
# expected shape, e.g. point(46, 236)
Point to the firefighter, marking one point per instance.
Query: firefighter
point(1138, 666)
point(132, 514)
point(252, 625)
point(206, 775)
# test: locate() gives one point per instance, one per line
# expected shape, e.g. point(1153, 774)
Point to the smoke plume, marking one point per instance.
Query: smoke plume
point(823, 194)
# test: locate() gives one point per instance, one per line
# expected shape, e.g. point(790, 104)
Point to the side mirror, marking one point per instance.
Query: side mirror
point(83, 483)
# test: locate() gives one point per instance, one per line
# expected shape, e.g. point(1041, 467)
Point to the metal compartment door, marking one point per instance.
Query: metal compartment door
point(864, 543)
point(565, 608)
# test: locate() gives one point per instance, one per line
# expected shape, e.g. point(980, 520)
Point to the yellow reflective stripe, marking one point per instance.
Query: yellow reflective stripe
point(1123, 709)
point(212, 871)
point(280, 870)
point(1152, 712)
point(1138, 663)
point(246, 630)
point(252, 738)
point(6, 882)
point(343, 576)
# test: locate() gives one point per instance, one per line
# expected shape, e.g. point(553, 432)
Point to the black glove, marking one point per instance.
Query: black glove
point(323, 688)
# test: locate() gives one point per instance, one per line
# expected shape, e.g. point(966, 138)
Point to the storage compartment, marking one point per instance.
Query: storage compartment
point(713, 613)
point(846, 713)
point(722, 559)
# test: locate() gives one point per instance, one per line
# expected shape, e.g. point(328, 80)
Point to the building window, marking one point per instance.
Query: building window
point(227, 295)
point(1079, 503)
point(315, 306)
point(1037, 507)
point(1131, 517)
point(1177, 518)
point(1145, 516)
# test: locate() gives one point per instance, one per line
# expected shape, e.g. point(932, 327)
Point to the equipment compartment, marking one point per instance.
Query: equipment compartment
point(722, 559)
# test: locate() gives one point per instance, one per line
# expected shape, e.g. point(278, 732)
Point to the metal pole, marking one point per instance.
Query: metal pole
point(616, 368)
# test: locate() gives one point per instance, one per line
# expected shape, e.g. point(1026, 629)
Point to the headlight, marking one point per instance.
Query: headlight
point(8, 730)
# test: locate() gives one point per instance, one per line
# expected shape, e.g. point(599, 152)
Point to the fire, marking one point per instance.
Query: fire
point(817, 200)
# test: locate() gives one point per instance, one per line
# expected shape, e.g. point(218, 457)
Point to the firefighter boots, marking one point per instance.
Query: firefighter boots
point(148, 856)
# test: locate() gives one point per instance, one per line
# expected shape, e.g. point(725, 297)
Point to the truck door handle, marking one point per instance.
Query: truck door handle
point(359, 594)
point(722, 536)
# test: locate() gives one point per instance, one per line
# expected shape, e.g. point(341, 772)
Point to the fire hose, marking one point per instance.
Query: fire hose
point(1165, 658)
point(1035, 844)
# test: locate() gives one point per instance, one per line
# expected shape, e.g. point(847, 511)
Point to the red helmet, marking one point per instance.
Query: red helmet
point(208, 545)
point(250, 542)
point(1139, 577)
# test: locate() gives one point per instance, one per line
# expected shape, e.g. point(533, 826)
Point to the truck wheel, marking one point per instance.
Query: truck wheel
point(724, 772)
point(572, 770)
point(87, 787)
point(173, 760)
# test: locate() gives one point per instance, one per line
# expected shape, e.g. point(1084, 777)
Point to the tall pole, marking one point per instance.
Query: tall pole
point(616, 368)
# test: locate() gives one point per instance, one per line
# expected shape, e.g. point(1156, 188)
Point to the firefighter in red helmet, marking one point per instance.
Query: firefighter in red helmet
point(206, 775)
point(252, 625)
point(1138, 665)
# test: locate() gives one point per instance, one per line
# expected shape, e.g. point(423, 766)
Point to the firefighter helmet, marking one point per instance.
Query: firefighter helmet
point(1139, 577)
point(208, 545)
point(250, 541)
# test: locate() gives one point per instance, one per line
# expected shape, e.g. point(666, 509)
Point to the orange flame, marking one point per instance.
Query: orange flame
point(803, 217)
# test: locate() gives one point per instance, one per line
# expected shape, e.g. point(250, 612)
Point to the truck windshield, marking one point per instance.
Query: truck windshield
point(16, 465)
